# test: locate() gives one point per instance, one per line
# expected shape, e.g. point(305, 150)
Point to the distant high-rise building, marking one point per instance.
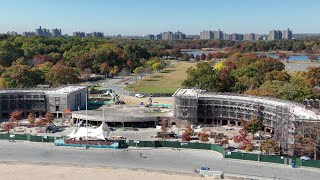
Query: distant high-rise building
point(234, 37)
point(12, 33)
point(56, 32)
point(218, 34)
point(249, 37)
point(179, 35)
point(206, 35)
point(159, 36)
point(95, 34)
point(150, 37)
point(167, 35)
point(27, 34)
point(240, 37)
point(79, 34)
point(43, 32)
point(287, 34)
point(173, 36)
point(275, 35)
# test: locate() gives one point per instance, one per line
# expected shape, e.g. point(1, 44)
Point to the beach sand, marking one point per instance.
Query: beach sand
point(21, 171)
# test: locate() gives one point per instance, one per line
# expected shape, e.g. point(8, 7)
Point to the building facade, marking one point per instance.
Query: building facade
point(218, 34)
point(279, 117)
point(79, 34)
point(43, 32)
point(40, 102)
point(56, 32)
point(95, 34)
point(205, 35)
point(275, 35)
point(287, 34)
point(249, 37)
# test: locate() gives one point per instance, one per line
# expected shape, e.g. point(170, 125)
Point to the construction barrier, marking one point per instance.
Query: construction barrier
point(172, 144)
point(27, 137)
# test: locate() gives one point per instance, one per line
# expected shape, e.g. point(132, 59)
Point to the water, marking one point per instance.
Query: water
point(292, 58)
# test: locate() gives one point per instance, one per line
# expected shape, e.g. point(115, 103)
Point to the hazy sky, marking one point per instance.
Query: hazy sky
point(139, 17)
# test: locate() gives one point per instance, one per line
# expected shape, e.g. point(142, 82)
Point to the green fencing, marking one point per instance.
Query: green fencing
point(243, 156)
point(298, 161)
point(272, 159)
point(311, 163)
point(172, 144)
point(27, 137)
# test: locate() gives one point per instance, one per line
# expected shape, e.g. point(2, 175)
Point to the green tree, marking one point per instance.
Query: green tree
point(139, 71)
point(202, 77)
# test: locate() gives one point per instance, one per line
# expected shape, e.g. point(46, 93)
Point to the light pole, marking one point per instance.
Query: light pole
point(87, 114)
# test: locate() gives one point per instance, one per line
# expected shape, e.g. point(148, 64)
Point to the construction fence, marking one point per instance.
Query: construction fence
point(231, 155)
point(171, 144)
point(187, 145)
point(26, 137)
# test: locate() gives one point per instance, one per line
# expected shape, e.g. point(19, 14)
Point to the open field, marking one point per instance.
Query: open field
point(166, 81)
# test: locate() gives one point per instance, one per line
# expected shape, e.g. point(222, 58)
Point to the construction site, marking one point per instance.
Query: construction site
point(283, 119)
point(41, 101)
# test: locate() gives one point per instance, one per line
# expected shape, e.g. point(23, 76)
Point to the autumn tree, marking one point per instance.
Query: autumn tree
point(49, 118)
point(16, 116)
point(269, 146)
point(209, 56)
point(7, 126)
point(282, 56)
point(242, 139)
point(31, 119)
point(164, 129)
point(221, 139)
point(186, 135)
point(312, 76)
point(203, 57)
point(104, 67)
point(197, 58)
point(313, 58)
point(62, 73)
point(114, 71)
point(203, 136)
point(40, 122)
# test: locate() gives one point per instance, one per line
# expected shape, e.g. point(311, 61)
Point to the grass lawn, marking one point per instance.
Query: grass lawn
point(166, 81)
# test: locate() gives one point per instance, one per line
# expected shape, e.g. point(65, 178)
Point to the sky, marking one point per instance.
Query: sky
point(141, 17)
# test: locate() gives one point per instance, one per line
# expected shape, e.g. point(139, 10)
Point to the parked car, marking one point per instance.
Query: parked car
point(52, 129)
point(139, 95)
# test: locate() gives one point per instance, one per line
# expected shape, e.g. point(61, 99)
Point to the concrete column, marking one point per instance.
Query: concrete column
point(236, 123)
point(228, 122)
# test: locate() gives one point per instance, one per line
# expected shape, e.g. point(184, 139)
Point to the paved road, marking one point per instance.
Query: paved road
point(156, 159)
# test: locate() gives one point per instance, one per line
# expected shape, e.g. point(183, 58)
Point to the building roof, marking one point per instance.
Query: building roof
point(60, 90)
point(65, 90)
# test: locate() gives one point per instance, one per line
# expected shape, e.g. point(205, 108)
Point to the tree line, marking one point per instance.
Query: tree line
point(29, 61)
point(254, 75)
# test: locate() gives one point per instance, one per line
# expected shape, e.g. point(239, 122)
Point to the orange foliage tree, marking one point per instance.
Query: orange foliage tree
point(15, 116)
point(8, 126)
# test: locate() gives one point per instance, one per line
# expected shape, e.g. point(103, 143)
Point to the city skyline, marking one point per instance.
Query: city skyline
point(151, 17)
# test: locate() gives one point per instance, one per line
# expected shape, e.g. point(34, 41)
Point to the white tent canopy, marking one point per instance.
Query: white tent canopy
point(101, 133)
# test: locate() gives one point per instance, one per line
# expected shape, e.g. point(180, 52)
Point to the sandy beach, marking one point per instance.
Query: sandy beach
point(27, 171)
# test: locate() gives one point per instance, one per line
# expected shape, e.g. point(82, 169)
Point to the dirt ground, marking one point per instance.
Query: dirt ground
point(130, 100)
point(16, 171)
